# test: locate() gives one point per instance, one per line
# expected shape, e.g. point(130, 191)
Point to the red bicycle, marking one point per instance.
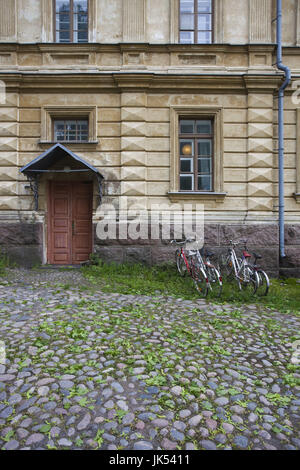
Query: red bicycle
point(186, 261)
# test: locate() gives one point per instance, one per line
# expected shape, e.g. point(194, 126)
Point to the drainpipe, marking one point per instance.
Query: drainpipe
point(286, 82)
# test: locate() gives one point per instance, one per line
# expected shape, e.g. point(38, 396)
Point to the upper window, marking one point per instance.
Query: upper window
point(196, 22)
point(76, 130)
point(196, 154)
point(71, 21)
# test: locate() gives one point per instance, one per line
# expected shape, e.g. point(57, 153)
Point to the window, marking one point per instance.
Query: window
point(195, 22)
point(71, 131)
point(71, 21)
point(196, 154)
point(196, 157)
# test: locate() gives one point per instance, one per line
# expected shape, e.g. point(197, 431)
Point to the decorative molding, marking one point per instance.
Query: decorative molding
point(260, 148)
point(217, 114)
point(8, 24)
point(51, 112)
point(260, 21)
point(134, 25)
point(47, 21)
point(219, 21)
point(174, 21)
point(196, 197)
point(298, 24)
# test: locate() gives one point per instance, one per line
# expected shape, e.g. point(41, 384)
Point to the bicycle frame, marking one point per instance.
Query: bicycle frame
point(237, 266)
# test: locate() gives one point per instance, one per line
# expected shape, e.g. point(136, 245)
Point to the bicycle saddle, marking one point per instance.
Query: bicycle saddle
point(246, 255)
point(257, 256)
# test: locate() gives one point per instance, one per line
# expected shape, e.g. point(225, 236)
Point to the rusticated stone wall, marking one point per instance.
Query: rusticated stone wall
point(22, 242)
point(261, 239)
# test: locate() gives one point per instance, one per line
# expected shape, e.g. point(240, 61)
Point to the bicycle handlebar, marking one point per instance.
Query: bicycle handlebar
point(233, 243)
point(188, 240)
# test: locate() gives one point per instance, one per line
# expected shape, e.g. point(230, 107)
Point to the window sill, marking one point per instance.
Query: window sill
point(69, 142)
point(297, 197)
point(197, 196)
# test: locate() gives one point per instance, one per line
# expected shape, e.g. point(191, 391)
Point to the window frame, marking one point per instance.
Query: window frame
point(195, 30)
point(51, 113)
point(216, 114)
point(71, 24)
point(73, 119)
point(195, 138)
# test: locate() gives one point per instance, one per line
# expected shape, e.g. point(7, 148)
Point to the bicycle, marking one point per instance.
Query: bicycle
point(264, 282)
point(187, 262)
point(214, 277)
point(238, 268)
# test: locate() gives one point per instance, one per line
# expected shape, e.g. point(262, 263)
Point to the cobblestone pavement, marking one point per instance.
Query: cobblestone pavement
point(91, 370)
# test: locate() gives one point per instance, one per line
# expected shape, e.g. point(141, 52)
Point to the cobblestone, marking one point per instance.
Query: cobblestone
point(87, 369)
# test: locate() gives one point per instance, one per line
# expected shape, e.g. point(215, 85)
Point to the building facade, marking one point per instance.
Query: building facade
point(143, 103)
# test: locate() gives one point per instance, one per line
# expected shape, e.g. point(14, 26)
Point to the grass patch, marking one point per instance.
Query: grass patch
point(4, 262)
point(284, 295)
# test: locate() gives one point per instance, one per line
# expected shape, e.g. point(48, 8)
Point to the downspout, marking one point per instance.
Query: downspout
point(286, 82)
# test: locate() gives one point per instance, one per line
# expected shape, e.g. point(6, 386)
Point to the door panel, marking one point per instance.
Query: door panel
point(70, 222)
point(82, 222)
point(59, 251)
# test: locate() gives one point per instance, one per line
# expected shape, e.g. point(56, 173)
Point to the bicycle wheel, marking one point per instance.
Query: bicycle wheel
point(200, 280)
point(225, 266)
point(180, 263)
point(249, 279)
point(214, 280)
point(264, 282)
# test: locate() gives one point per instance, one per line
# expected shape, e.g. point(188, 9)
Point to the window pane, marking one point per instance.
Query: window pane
point(82, 36)
point(80, 5)
point(62, 5)
point(63, 36)
point(187, 22)
point(204, 183)
point(186, 147)
point(187, 127)
point(204, 165)
point(59, 130)
point(82, 22)
point(187, 37)
point(186, 165)
point(187, 6)
point(204, 37)
point(186, 182)
point(71, 130)
point(204, 22)
point(204, 6)
point(71, 125)
point(62, 18)
point(203, 127)
point(204, 148)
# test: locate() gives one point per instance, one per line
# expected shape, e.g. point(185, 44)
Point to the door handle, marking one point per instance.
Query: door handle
point(73, 227)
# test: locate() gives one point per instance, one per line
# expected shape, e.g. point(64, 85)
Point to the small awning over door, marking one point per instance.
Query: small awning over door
point(57, 159)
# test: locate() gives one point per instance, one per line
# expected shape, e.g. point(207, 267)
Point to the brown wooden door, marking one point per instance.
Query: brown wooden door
point(70, 222)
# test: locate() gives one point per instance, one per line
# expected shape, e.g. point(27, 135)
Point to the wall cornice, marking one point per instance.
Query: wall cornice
point(86, 82)
point(144, 47)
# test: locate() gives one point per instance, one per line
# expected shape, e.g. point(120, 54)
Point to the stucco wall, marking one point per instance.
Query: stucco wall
point(154, 21)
